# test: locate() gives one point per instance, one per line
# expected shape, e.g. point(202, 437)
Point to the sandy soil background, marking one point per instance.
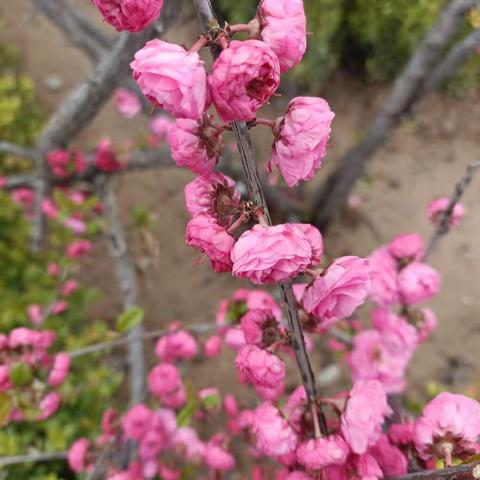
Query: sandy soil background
point(422, 160)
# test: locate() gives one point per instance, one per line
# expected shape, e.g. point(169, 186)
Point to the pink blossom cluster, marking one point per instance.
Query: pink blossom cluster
point(29, 374)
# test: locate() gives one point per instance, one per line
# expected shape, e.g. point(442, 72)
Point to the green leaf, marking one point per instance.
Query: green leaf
point(212, 401)
point(5, 407)
point(129, 319)
point(21, 374)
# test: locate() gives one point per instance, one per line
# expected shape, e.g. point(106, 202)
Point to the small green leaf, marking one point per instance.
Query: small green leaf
point(212, 401)
point(129, 319)
point(21, 374)
point(5, 407)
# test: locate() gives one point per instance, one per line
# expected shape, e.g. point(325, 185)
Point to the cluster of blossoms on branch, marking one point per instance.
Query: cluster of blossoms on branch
point(352, 435)
point(29, 374)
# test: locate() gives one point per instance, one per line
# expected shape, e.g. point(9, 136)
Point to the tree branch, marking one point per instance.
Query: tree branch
point(443, 226)
point(208, 20)
point(127, 284)
point(470, 471)
point(32, 458)
point(119, 342)
point(407, 91)
point(453, 61)
point(13, 149)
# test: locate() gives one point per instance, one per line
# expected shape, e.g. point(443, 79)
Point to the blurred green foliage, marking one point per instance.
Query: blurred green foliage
point(372, 37)
point(24, 280)
point(20, 114)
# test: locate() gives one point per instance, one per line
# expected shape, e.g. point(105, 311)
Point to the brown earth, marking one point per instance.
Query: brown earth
point(422, 160)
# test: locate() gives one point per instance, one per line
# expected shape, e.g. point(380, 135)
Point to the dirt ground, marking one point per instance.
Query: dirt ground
point(422, 160)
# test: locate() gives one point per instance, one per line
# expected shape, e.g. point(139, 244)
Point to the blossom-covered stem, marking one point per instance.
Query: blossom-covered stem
point(443, 225)
point(208, 20)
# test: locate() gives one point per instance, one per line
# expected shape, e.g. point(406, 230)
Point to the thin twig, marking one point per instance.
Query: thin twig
point(406, 93)
point(16, 150)
point(443, 225)
point(127, 283)
point(208, 19)
point(32, 458)
point(119, 342)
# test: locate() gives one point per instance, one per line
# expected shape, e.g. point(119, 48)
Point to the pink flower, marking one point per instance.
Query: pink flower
point(449, 427)
point(127, 103)
point(49, 405)
point(3, 182)
point(23, 197)
point(266, 255)
point(78, 248)
point(50, 209)
point(131, 15)
point(77, 455)
point(59, 307)
point(234, 338)
point(399, 336)
point(322, 452)
point(372, 359)
point(425, 322)
point(301, 142)
point(296, 407)
point(401, 433)
point(164, 381)
point(438, 206)
point(243, 79)
point(217, 458)
point(193, 146)
point(186, 440)
point(230, 405)
point(137, 421)
point(214, 194)
point(383, 277)
point(273, 433)
point(53, 269)
point(172, 78)
point(160, 126)
point(260, 368)
point(316, 241)
point(418, 282)
point(408, 247)
point(58, 160)
point(213, 345)
point(390, 459)
point(76, 225)
point(363, 417)
point(204, 233)
point(69, 287)
point(338, 292)
point(176, 346)
point(258, 325)
point(35, 314)
point(283, 27)
point(105, 157)
point(59, 371)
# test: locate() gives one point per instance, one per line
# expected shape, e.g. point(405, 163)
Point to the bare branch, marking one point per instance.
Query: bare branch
point(13, 149)
point(443, 225)
point(119, 342)
point(407, 91)
point(453, 61)
point(76, 28)
point(208, 20)
point(32, 458)
point(127, 284)
point(469, 471)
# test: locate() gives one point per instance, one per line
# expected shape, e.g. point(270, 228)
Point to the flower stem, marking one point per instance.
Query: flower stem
point(266, 121)
point(203, 41)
